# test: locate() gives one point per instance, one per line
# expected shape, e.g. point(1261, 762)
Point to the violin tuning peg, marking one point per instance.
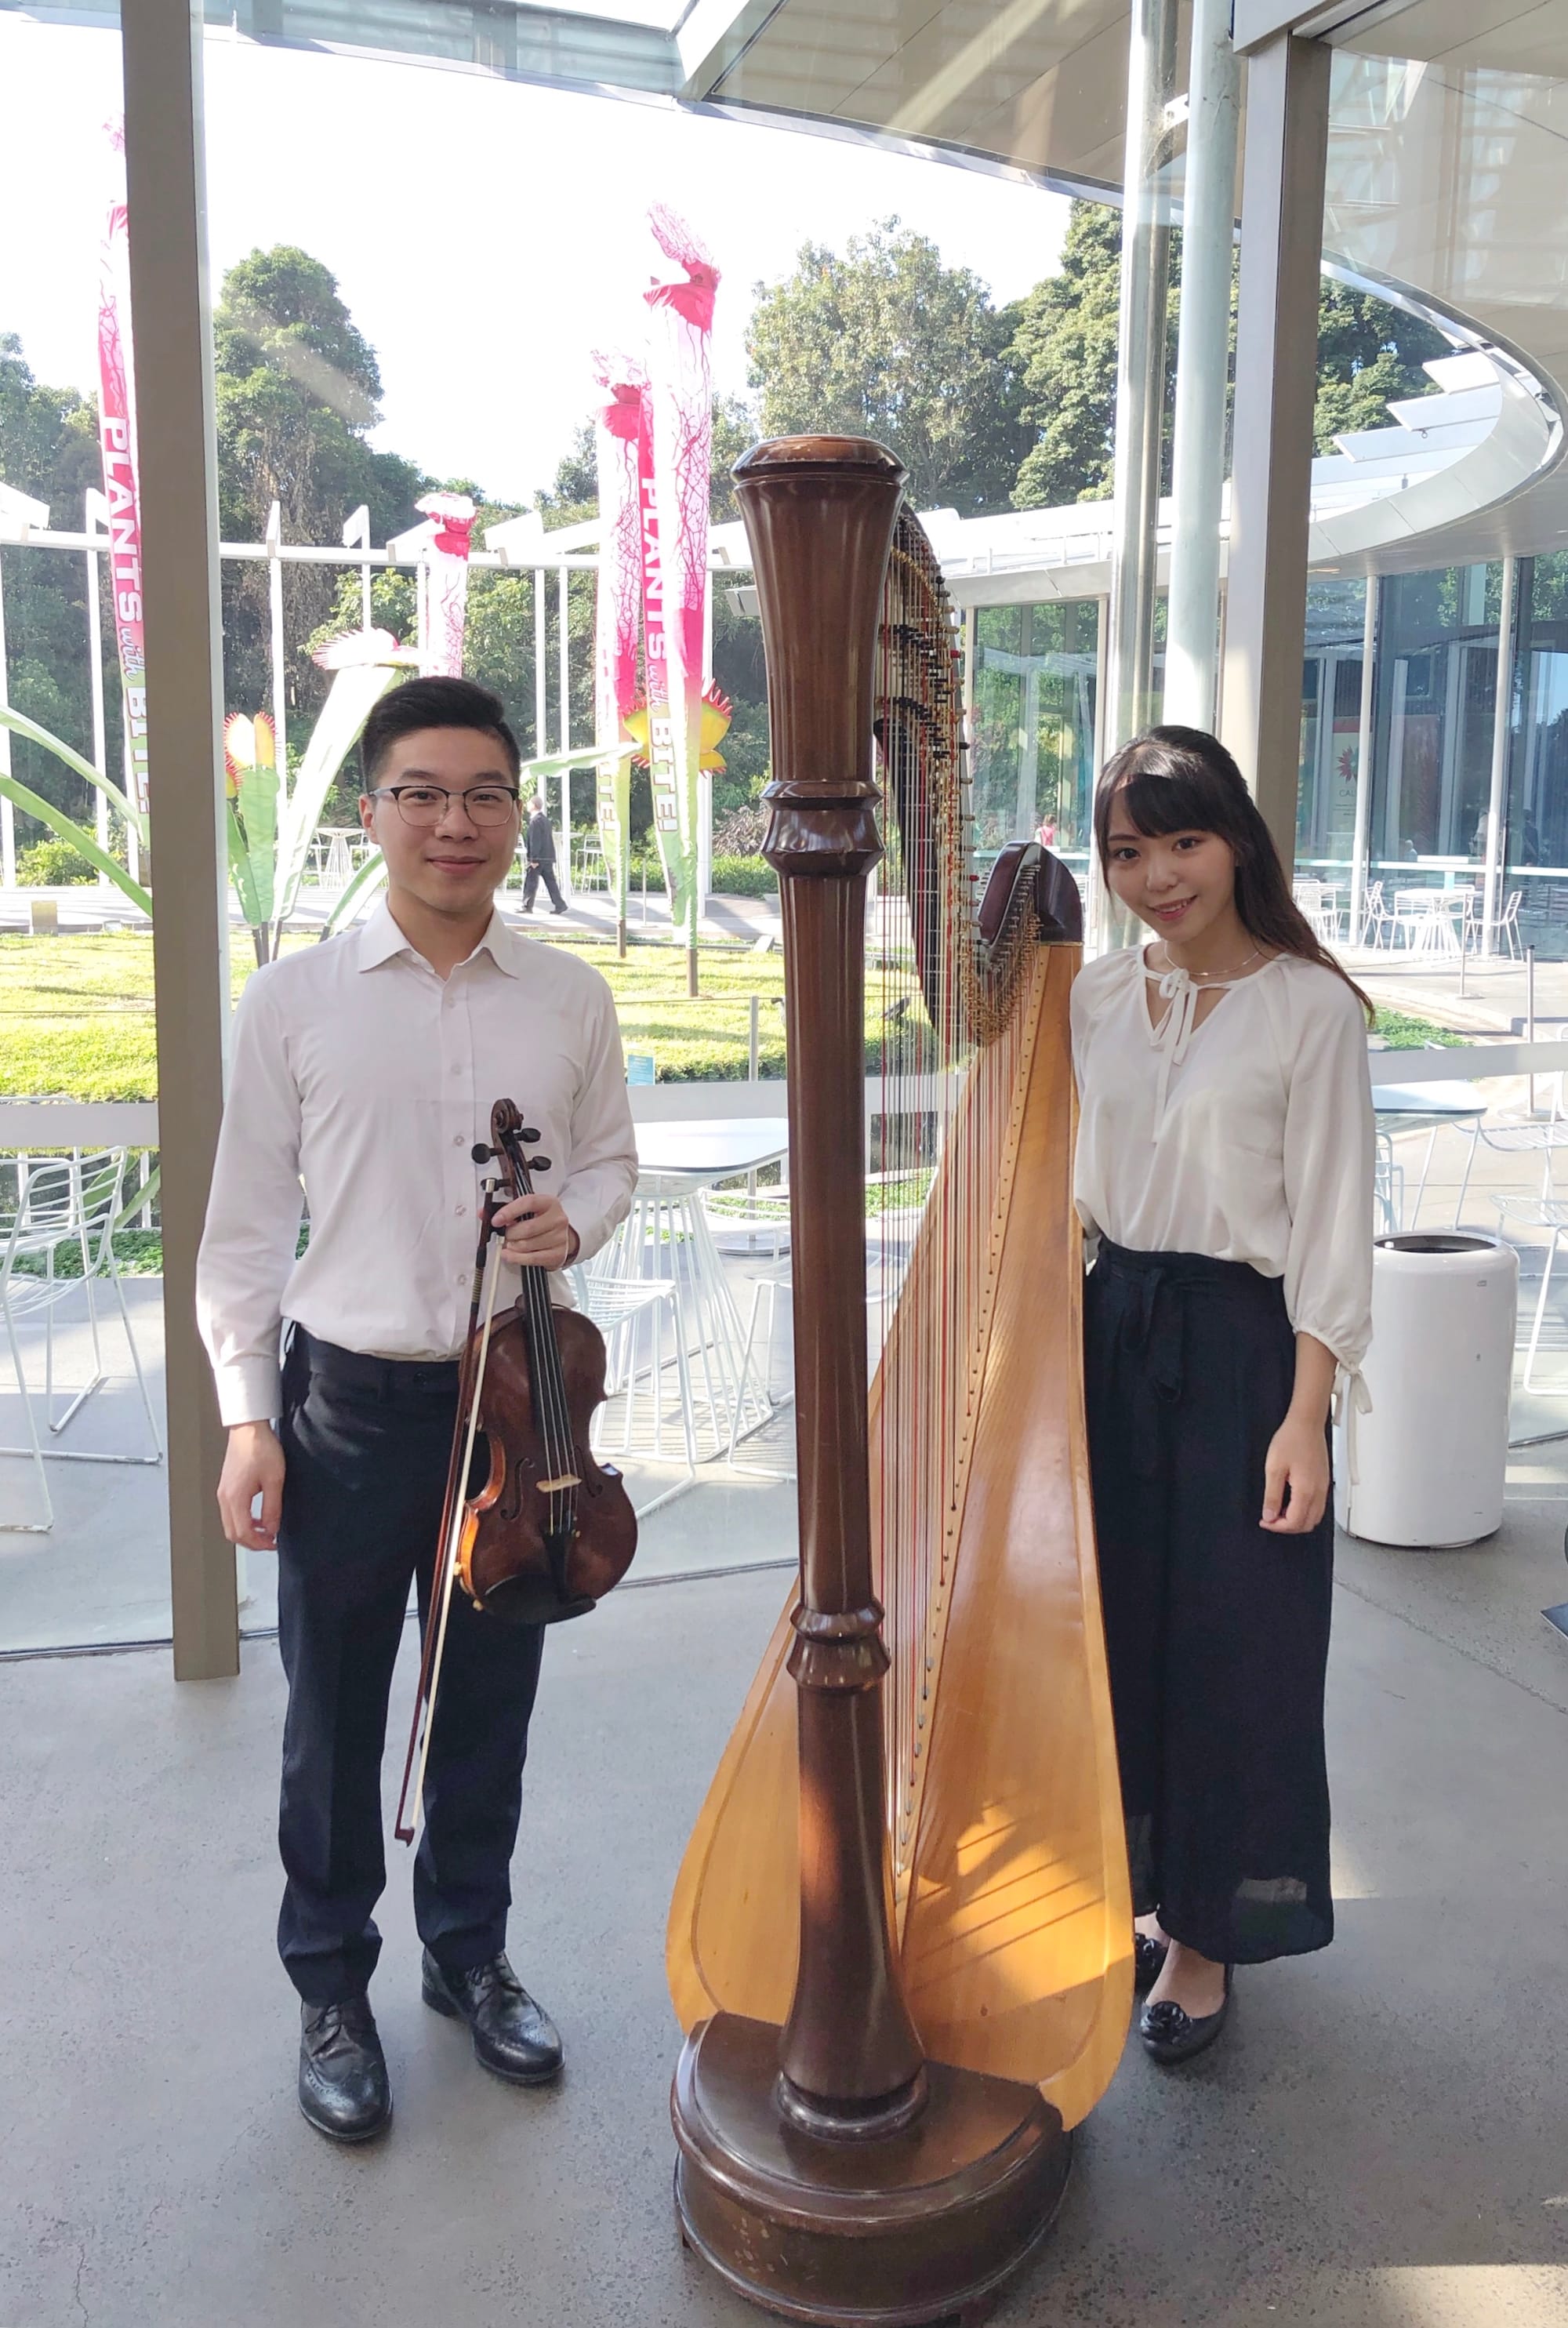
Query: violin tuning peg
point(539, 1164)
point(480, 1154)
point(528, 1135)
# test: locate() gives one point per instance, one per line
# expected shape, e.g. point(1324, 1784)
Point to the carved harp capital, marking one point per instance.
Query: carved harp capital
point(820, 513)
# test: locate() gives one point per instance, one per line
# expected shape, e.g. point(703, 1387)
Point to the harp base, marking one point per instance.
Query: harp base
point(903, 2231)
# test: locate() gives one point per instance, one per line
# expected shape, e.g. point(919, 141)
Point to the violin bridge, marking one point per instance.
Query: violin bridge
point(556, 1487)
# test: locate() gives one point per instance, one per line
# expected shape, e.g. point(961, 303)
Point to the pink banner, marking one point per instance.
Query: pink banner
point(617, 434)
point(680, 325)
point(443, 584)
point(117, 443)
point(655, 671)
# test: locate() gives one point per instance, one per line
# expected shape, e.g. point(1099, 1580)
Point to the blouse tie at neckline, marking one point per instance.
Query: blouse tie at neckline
point(1172, 1034)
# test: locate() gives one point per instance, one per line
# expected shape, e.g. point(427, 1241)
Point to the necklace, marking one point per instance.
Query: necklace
point(1213, 977)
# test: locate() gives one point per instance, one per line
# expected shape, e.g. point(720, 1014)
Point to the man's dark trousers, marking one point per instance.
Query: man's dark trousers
point(540, 853)
point(544, 872)
point(366, 1442)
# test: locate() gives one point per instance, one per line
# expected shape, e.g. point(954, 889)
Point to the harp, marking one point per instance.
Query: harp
point(900, 1940)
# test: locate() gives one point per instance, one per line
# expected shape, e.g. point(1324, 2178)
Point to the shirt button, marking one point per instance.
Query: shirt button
point(456, 1140)
point(460, 1210)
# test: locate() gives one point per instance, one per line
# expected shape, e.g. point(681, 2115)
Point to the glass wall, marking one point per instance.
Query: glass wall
point(1033, 701)
point(1330, 729)
point(1536, 865)
point(1434, 714)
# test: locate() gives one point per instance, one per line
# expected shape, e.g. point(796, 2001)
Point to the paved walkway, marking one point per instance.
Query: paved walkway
point(1379, 2143)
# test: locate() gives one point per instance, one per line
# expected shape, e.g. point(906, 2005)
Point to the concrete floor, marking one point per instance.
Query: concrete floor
point(1380, 2142)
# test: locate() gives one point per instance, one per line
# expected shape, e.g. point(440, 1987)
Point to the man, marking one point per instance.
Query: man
point(541, 860)
point(366, 1070)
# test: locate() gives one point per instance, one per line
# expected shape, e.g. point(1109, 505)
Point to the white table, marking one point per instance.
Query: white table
point(1427, 1107)
point(667, 1235)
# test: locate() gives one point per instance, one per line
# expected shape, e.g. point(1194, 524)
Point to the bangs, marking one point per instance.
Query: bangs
point(1183, 797)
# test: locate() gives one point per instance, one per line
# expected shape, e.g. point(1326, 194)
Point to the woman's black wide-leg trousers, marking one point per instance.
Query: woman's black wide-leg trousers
point(1217, 1628)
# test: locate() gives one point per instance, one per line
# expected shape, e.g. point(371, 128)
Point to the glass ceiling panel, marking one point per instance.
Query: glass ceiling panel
point(627, 44)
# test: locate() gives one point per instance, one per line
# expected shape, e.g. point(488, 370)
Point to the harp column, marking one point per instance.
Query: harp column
point(826, 2168)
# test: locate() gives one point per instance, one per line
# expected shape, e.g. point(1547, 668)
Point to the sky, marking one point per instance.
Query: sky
point(486, 236)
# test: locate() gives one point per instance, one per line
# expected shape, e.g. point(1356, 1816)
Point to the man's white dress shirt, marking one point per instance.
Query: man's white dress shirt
point(360, 1084)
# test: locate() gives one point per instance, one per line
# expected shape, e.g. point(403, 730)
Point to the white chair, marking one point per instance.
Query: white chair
point(766, 1284)
point(1508, 924)
point(1388, 1186)
point(1378, 923)
point(619, 1308)
point(59, 1239)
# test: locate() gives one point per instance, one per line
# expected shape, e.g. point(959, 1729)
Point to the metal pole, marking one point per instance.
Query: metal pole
point(166, 171)
point(1202, 362)
point(1360, 847)
point(1497, 799)
point(7, 811)
point(563, 658)
point(1141, 365)
point(541, 657)
point(1287, 148)
point(95, 683)
point(1530, 1013)
point(279, 649)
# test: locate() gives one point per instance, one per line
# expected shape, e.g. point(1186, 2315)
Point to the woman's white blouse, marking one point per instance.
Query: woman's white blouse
point(1248, 1137)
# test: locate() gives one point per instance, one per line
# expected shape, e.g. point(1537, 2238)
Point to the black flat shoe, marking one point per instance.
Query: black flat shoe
point(513, 2037)
point(1148, 1957)
point(345, 2091)
point(1170, 2035)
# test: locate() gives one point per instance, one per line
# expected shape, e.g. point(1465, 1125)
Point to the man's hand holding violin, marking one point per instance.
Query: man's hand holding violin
point(538, 1233)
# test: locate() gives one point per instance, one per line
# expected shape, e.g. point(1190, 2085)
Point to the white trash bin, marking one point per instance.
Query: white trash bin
point(1432, 1456)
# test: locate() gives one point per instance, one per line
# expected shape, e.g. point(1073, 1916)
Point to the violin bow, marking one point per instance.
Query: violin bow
point(470, 1384)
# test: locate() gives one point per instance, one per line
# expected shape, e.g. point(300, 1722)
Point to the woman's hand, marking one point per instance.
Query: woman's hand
point(1297, 1467)
point(253, 1466)
point(1296, 1464)
point(538, 1233)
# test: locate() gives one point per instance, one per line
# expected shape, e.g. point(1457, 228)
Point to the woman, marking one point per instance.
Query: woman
point(1225, 1165)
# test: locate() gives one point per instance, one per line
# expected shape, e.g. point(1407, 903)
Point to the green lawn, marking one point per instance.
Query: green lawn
point(76, 1013)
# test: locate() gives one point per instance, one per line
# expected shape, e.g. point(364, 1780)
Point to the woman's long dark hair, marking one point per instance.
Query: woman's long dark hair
point(1181, 780)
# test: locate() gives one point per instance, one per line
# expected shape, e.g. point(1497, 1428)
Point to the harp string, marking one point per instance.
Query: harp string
point(949, 1012)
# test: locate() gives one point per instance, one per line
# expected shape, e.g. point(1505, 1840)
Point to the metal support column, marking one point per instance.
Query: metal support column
point(1141, 367)
point(1502, 727)
point(166, 184)
point(279, 644)
point(563, 658)
point(95, 519)
point(7, 809)
point(1287, 146)
point(1202, 363)
point(1361, 846)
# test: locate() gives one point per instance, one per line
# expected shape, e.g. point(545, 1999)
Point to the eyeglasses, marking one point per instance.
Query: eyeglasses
point(424, 805)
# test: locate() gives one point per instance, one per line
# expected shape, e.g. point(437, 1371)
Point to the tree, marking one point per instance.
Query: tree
point(1064, 351)
point(1064, 347)
point(298, 391)
point(884, 340)
point(1370, 355)
point(49, 449)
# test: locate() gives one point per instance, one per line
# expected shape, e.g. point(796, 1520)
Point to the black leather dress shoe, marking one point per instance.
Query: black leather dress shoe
point(343, 2087)
point(1170, 2035)
point(513, 2036)
point(1148, 1957)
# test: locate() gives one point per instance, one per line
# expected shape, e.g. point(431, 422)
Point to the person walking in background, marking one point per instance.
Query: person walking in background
point(541, 860)
point(1223, 1165)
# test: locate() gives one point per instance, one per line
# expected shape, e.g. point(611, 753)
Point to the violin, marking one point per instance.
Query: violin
point(548, 1531)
